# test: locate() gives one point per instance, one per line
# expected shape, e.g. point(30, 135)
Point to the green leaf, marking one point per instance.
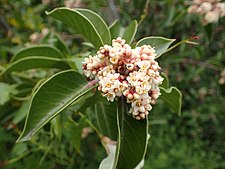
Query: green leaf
point(107, 163)
point(173, 97)
point(160, 44)
point(116, 30)
point(54, 39)
point(130, 31)
point(37, 50)
point(74, 131)
point(98, 23)
point(82, 24)
point(51, 98)
point(127, 33)
point(18, 149)
point(5, 92)
point(92, 99)
point(165, 83)
point(36, 62)
point(106, 119)
point(56, 126)
point(20, 114)
point(132, 138)
point(78, 63)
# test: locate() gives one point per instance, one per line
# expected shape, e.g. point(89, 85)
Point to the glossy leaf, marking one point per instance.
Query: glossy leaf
point(127, 33)
point(160, 44)
point(130, 31)
point(132, 138)
point(98, 23)
point(106, 119)
point(51, 98)
point(37, 50)
point(36, 62)
point(173, 97)
point(80, 23)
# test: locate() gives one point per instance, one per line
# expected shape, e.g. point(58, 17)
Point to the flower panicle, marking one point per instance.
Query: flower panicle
point(123, 71)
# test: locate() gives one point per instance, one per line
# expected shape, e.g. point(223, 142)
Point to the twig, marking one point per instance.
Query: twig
point(200, 63)
point(145, 12)
point(183, 41)
point(91, 125)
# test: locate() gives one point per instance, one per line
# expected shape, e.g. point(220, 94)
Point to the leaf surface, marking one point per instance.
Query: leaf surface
point(173, 97)
point(106, 119)
point(127, 33)
point(37, 50)
point(80, 23)
point(36, 62)
point(160, 44)
point(132, 139)
point(51, 98)
point(98, 23)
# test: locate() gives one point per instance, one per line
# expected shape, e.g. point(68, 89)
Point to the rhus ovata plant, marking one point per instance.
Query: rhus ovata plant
point(118, 84)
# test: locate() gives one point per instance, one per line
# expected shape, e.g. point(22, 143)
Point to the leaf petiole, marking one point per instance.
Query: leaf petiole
point(181, 42)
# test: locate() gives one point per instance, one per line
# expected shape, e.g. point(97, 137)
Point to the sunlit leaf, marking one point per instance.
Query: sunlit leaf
point(160, 44)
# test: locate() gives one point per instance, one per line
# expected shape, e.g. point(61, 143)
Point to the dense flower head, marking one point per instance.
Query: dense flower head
point(210, 10)
point(123, 71)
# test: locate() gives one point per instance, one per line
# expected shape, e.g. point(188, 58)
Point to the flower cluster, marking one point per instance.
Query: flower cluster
point(211, 10)
point(123, 71)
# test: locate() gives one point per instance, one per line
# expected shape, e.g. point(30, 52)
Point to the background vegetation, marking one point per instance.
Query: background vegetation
point(194, 141)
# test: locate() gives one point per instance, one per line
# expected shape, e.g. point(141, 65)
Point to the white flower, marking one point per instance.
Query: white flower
point(221, 8)
point(210, 10)
point(133, 73)
point(211, 17)
point(144, 65)
point(206, 7)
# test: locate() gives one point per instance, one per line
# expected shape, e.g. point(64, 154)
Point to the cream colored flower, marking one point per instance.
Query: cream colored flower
point(122, 71)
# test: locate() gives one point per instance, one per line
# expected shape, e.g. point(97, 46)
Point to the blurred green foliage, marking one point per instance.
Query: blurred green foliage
point(194, 141)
